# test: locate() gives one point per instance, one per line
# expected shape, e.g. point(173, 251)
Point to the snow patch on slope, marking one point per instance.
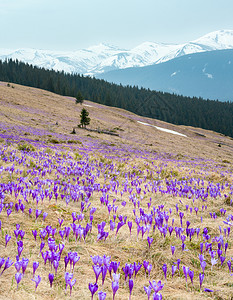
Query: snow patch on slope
point(163, 129)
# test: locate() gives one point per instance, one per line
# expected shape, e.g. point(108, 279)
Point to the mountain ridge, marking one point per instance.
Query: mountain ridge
point(103, 57)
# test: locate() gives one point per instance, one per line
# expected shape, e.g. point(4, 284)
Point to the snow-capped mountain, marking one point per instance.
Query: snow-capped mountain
point(102, 58)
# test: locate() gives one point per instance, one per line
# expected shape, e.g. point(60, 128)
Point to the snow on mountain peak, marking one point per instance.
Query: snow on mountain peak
point(102, 47)
point(221, 39)
point(103, 57)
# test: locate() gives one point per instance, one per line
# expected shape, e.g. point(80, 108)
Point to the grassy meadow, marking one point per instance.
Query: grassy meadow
point(81, 193)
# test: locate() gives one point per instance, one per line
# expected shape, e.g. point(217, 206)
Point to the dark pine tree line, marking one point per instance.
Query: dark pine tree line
point(207, 114)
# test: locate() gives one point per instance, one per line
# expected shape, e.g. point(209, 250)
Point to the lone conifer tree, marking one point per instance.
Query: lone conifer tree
point(84, 119)
point(79, 98)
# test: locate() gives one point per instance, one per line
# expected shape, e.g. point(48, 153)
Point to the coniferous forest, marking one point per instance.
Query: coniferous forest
point(197, 112)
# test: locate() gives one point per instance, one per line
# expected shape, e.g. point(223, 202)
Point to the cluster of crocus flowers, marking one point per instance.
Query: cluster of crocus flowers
point(156, 287)
point(8, 263)
point(69, 281)
point(77, 182)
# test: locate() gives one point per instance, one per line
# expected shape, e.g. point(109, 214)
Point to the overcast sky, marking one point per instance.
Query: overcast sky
point(77, 24)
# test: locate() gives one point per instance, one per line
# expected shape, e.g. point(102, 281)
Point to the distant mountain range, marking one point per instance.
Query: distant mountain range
point(198, 68)
point(208, 75)
point(104, 58)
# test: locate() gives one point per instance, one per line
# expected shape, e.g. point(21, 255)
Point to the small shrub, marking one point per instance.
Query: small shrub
point(74, 142)
point(225, 161)
point(73, 131)
point(228, 201)
point(26, 147)
point(78, 156)
point(53, 141)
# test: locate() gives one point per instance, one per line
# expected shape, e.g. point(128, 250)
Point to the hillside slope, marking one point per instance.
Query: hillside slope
point(34, 113)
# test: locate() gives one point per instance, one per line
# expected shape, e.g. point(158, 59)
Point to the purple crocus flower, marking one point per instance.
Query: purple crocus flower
point(96, 260)
point(21, 233)
point(97, 269)
point(174, 268)
point(112, 225)
point(115, 287)
point(34, 232)
point(66, 260)
point(150, 241)
point(178, 264)
point(76, 258)
point(62, 233)
point(35, 266)
point(222, 259)
point(226, 246)
point(20, 249)
point(104, 270)
point(191, 275)
point(145, 265)
point(42, 246)
point(165, 271)
point(181, 218)
point(201, 278)
point(55, 265)
point(60, 221)
point(51, 278)
point(229, 265)
point(157, 296)
point(148, 291)
point(30, 211)
point(173, 249)
point(170, 229)
point(25, 262)
point(68, 277)
point(37, 280)
point(101, 295)
point(156, 286)
point(2, 260)
point(8, 264)
point(9, 211)
point(201, 247)
point(208, 290)
point(186, 270)
point(38, 213)
point(93, 289)
point(61, 248)
point(119, 225)
point(71, 284)
point(115, 266)
point(137, 268)
point(18, 265)
point(130, 287)
point(149, 268)
point(130, 224)
point(203, 265)
point(18, 277)
point(45, 214)
point(7, 239)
